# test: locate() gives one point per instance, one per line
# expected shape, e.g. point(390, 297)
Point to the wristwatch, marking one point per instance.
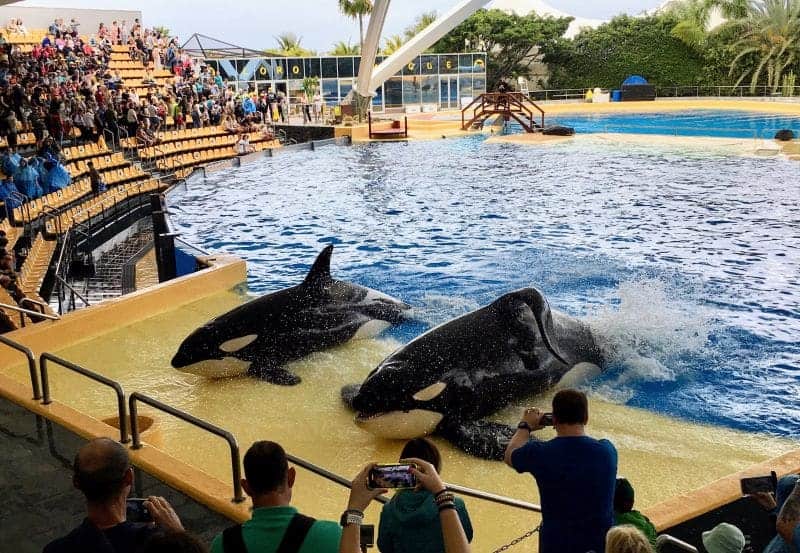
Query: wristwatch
point(525, 425)
point(351, 516)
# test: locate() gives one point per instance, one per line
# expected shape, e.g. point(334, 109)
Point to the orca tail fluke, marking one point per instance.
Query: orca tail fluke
point(483, 439)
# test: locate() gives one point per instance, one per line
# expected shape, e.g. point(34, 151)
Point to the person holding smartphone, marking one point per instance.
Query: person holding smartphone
point(576, 475)
point(454, 538)
point(104, 475)
point(410, 523)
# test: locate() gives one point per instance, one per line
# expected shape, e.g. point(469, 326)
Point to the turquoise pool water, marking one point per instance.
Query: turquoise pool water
point(686, 262)
point(729, 124)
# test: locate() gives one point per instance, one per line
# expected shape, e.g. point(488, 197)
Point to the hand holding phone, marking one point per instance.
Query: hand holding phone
point(396, 476)
point(759, 484)
point(136, 511)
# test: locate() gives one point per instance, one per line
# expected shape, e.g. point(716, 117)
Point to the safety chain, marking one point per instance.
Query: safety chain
point(515, 541)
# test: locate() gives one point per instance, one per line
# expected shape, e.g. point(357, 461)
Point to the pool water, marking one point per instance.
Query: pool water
point(686, 262)
point(729, 124)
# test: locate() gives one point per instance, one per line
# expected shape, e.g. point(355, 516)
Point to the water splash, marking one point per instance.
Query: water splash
point(437, 308)
point(651, 329)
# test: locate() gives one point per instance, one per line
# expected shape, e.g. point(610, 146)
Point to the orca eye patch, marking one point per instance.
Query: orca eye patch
point(431, 392)
point(235, 344)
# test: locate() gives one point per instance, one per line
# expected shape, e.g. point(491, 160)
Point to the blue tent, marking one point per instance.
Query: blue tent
point(634, 80)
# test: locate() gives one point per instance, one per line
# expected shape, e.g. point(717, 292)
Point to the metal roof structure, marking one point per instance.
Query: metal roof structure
point(203, 46)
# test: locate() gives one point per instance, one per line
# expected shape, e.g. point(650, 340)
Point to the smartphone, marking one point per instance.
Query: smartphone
point(547, 419)
point(136, 510)
point(759, 484)
point(391, 476)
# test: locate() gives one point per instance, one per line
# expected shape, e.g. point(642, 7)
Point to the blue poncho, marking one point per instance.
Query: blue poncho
point(10, 163)
point(55, 179)
point(7, 188)
point(27, 181)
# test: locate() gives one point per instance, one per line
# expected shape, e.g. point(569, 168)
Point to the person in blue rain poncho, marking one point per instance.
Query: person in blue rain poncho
point(56, 177)
point(27, 180)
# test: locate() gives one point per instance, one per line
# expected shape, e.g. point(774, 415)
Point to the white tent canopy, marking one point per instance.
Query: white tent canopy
point(524, 7)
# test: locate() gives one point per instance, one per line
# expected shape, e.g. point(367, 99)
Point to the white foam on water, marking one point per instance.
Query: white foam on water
point(649, 329)
point(437, 308)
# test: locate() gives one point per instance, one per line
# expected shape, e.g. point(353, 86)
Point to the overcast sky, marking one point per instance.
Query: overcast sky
point(254, 23)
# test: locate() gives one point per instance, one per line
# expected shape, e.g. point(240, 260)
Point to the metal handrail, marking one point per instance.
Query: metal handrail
point(494, 498)
point(238, 496)
point(72, 289)
point(189, 244)
point(37, 394)
point(666, 539)
point(29, 312)
point(121, 406)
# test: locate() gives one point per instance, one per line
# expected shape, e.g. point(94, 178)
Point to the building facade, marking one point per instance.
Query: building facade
point(441, 80)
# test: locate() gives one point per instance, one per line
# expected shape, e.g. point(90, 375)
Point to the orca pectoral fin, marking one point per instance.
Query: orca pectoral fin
point(484, 439)
point(274, 374)
point(349, 393)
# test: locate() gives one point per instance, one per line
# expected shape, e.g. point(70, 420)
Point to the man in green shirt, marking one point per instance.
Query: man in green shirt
point(268, 481)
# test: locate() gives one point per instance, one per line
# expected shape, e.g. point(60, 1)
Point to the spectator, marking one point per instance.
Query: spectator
point(723, 538)
point(269, 481)
point(96, 180)
point(788, 524)
point(243, 145)
point(627, 539)
point(452, 533)
point(410, 521)
point(624, 513)
point(104, 475)
point(576, 476)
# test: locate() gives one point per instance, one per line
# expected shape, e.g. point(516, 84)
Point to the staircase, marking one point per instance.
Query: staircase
point(107, 281)
point(509, 105)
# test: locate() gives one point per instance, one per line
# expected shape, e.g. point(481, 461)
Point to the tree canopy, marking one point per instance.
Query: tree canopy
point(512, 42)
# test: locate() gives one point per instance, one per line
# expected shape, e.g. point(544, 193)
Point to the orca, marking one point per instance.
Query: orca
point(259, 337)
point(450, 378)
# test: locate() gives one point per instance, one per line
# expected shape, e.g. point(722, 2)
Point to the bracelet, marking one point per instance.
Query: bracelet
point(355, 512)
point(444, 498)
point(440, 492)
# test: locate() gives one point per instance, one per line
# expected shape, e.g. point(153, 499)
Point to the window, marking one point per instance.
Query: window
point(295, 68)
point(429, 65)
point(429, 88)
point(329, 68)
point(312, 67)
point(411, 90)
point(448, 64)
point(393, 92)
point(465, 63)
point(330, 90)
point(345, 66)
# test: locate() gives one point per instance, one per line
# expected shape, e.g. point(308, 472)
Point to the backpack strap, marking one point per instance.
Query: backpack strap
point(295, 534)
point(233, 540)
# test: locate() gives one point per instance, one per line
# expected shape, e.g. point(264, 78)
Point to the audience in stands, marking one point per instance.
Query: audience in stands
point(723, 538)
point(624, 514)
point(410, 521)
point(576, 476)
point(627, 539)
point(269, 481)
point(103, 473)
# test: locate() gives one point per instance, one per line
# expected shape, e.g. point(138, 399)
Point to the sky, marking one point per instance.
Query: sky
point(254, 23)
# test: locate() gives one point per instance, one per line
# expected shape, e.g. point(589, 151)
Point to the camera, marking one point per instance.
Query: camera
point(396, 476)
point(547, 419)
point(135, 510)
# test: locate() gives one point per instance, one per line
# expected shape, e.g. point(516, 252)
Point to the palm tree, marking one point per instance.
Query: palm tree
point(343, 48)
point(420, 23)
point(695, 16)
point(289, 45)
point(393, 43)
point(770, 41)
point(357, 9)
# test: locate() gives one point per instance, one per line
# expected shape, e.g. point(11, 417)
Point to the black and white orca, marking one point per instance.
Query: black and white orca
point(261, 336)
point(450, 378)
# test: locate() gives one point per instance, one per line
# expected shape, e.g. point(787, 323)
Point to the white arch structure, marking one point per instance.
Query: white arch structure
point(371, 77)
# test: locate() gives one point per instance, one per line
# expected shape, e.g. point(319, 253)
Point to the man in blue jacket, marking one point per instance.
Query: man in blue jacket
point(576, 476)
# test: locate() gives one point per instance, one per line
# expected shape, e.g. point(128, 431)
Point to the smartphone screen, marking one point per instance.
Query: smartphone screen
point(391, 476)
point(758, 484)
point(136, 511)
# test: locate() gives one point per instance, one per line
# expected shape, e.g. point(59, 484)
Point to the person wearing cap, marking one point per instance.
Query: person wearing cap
point(625, 514)
point(723, 538)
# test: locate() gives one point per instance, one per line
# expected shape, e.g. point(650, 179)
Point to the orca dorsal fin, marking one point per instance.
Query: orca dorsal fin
point(320, 272)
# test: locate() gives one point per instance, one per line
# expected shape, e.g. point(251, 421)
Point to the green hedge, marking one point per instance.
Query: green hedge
point(605, 56)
